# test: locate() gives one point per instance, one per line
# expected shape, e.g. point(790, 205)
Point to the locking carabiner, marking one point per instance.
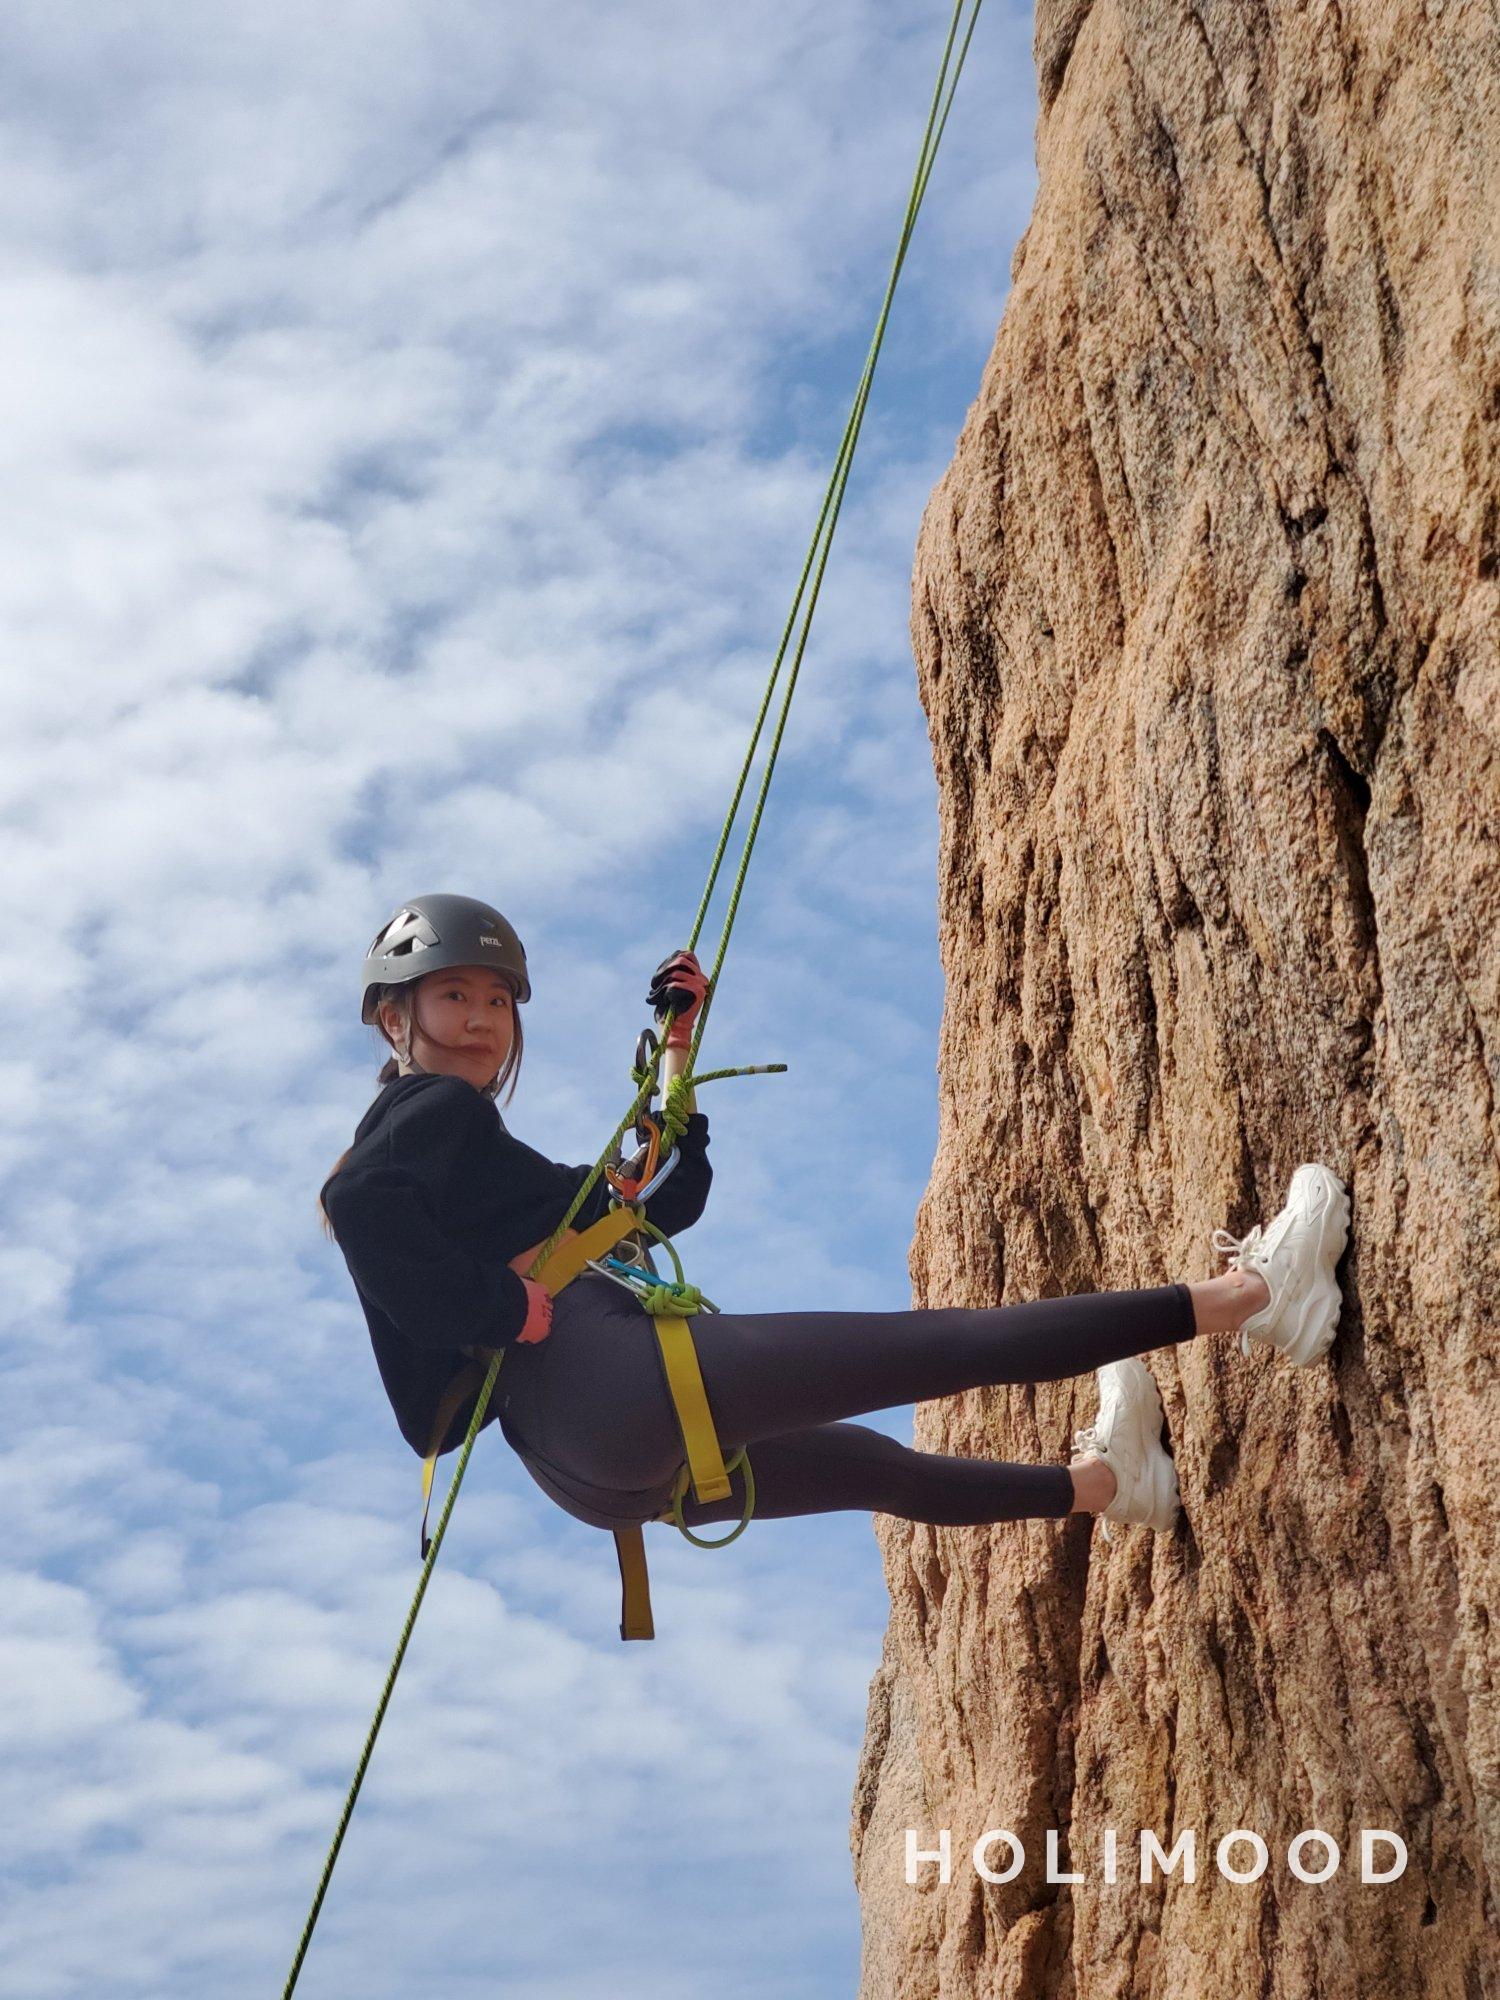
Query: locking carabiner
point(647, 1170)
point(627, 1182)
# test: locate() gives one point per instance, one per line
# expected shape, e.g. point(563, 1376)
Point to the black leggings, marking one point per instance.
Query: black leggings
point(589, 1411)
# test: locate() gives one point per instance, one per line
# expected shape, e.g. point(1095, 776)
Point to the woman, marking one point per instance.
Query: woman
point(440, 1211)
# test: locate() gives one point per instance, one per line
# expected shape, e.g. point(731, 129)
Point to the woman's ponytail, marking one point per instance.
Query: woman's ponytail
point(389, 1070)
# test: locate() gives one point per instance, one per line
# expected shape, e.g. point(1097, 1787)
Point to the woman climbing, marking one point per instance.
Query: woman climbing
point(439, 1211)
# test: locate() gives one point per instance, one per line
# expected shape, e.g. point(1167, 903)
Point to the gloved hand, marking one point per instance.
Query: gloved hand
point(679, 982)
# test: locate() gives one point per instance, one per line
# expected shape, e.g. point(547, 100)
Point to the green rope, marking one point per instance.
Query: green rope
point(681, 1284)
point(390, 1684)
point(813, 568)
point(679, 1492)
point(674, 1111)
point(680, 1301)
point(937, 120)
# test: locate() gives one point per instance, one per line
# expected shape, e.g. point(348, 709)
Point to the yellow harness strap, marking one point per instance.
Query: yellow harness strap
point(570, 1256)
point(635, 1585)
point(684, 1379)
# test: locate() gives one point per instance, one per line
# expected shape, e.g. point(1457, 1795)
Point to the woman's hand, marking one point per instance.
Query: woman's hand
point(538, 1298)
point(538, 1315)
point(679, 983)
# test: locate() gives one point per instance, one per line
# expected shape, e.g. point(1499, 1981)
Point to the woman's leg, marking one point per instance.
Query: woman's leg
point(768, 1374)
point(592, 1402)
point(838, 1467)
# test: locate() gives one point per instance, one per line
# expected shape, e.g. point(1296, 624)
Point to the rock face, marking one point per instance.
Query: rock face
point(1206, 615)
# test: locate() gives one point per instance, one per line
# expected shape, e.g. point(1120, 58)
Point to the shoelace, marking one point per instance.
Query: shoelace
point(1236, 1247)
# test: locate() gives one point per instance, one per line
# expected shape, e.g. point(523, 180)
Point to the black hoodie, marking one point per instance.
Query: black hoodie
point(432, 1201)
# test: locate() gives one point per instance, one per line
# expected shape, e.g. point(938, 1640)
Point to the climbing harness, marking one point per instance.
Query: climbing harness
point(669, 1305)
point(560, 1260)
point(560, 1270)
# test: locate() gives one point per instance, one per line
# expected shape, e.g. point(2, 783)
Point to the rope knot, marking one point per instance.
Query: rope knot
point(679, 1300)
point(674, 1112)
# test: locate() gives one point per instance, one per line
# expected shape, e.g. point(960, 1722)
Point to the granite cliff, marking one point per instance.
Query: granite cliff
point(1206, 615)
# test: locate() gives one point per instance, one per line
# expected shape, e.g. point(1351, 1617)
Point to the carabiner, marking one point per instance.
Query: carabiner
point(601, 1269)
point(652, 1185)
point(627, 1183)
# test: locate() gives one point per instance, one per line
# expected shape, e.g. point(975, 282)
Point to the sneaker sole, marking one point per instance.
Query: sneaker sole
point(1307, 1332)
point(1159, 1473)
point(1166, 1495)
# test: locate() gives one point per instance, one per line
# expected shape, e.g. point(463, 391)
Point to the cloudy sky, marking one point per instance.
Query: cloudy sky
point(414, 418)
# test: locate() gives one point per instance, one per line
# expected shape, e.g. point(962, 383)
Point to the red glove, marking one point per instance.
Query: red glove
point(679, 983)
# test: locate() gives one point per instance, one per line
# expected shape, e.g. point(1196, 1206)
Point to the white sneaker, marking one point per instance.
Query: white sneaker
point(1296, 1256)
point(1126, 1434)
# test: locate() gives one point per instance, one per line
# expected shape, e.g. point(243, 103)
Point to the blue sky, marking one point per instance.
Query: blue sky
point(420, 417)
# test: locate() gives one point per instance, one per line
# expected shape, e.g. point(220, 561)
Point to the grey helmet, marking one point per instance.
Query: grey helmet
point(431, 933)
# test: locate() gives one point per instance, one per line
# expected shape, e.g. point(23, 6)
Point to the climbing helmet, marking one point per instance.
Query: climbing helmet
point(431, 933)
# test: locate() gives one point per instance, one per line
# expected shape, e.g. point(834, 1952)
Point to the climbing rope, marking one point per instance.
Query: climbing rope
point(833, 499)
point(809, 586)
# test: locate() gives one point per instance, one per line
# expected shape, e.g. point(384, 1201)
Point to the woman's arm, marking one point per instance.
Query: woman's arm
point(385, 1216)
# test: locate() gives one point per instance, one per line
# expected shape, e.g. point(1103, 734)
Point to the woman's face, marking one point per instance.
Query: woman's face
point(463, 1023)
